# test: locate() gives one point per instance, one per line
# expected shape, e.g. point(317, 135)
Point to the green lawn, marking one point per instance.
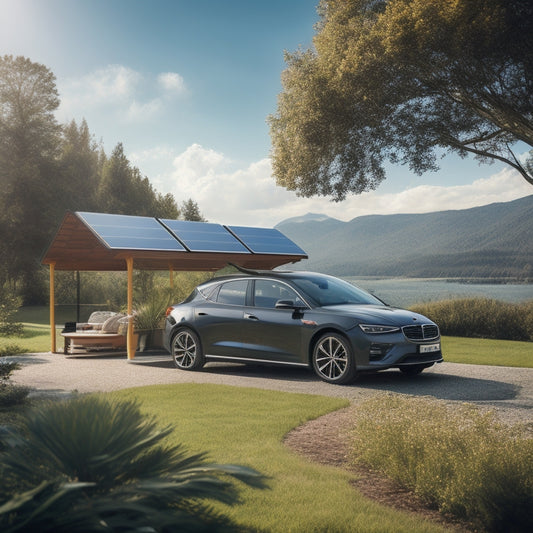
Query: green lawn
point(487, 352)
point(247, 426)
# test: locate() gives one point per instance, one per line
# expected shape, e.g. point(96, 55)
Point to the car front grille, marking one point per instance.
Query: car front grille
point(421, 333)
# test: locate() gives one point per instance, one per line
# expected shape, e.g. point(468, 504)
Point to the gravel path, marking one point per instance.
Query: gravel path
point(509, 391)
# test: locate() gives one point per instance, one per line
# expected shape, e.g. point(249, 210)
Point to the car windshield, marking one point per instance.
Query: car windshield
point(326, 290)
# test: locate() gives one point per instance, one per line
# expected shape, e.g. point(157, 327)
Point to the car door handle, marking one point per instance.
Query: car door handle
point(251, 317)
point(200, 313)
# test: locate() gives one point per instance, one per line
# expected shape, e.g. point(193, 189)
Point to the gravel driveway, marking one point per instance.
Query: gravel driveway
point(509, 391)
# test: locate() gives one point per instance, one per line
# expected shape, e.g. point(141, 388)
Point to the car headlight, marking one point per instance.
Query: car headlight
point(376, 329)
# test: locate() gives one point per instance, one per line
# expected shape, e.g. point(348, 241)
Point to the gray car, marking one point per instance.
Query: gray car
point(300, 319)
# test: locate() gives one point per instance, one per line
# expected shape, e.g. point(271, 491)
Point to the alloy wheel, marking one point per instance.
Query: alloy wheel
point(185, 349)
point(332, 359)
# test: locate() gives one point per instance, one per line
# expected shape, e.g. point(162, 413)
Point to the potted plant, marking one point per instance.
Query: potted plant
point(149, 319)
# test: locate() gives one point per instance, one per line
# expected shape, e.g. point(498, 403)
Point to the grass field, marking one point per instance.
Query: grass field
point(247, 426)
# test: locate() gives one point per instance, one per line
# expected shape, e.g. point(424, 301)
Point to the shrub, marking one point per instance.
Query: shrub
point(481, 317)
point(10, 394)
point(11, 349)
point(89, 464)
point(457, 458)
point(9, 305)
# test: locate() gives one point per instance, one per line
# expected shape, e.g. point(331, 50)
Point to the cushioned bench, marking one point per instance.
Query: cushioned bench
point(104, 329)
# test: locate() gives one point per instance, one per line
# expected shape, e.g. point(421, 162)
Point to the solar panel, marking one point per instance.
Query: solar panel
point(131, 232)
point(266, 241)
point(204, 236)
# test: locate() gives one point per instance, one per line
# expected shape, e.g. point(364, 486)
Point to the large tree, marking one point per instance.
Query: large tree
point(29, 143)
point(403, 81)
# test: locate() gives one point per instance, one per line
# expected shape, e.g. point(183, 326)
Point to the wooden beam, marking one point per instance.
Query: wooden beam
point(53, 345)
point(131, 344)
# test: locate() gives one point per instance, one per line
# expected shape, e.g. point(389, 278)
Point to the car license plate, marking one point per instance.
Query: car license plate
point(429, 348)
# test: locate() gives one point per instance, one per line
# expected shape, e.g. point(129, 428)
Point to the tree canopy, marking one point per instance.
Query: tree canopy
point(47, 168)
point(401, 81)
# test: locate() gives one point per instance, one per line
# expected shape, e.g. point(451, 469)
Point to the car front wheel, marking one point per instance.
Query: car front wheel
point(333, 360)
point(187, 350)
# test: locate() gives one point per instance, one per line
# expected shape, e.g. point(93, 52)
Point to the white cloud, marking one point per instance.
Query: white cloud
point(141, 111)
point(172, 82)
point(119, 90)
point(249, 195)
point(104, 86)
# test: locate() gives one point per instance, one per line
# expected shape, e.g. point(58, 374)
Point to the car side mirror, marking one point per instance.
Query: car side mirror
point(285, 304)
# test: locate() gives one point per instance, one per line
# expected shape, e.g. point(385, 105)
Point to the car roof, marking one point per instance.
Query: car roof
point(278, 274)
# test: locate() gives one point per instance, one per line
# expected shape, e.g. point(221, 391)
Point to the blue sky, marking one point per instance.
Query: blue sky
point(186, 86)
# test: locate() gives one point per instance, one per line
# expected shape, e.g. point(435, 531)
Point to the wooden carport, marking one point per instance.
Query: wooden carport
point(107, 242)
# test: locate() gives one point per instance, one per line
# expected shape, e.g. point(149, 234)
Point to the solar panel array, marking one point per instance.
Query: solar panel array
point(146, 233)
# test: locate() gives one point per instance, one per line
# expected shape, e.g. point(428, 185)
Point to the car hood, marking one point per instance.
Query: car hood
point(378, 314)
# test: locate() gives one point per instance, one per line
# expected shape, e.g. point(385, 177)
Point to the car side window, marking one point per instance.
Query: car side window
point(268, 292)
point(233, 292)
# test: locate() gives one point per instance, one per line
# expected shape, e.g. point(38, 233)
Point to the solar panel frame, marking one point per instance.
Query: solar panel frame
point(205, 236)
point(128, 232)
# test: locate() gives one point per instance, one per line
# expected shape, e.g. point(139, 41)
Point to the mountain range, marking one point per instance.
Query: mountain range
point(492, 241)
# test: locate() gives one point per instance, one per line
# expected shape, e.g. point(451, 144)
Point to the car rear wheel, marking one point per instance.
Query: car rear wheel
point(187, 350)
point(333, 359)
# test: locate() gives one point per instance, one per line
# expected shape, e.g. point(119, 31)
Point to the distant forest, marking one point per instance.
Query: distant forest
point(47, 168)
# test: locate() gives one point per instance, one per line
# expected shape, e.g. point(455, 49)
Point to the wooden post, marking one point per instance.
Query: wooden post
point(53, 345)
point(171, 273)
point(130, 343)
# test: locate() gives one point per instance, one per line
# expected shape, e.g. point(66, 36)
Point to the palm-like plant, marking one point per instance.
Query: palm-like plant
point(90, 464)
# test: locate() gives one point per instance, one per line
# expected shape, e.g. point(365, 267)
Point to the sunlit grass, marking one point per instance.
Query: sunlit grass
point(459, 458)
point(487, 352)
point(247, 426)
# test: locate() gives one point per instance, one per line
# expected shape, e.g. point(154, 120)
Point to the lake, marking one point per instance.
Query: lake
point(404, 292)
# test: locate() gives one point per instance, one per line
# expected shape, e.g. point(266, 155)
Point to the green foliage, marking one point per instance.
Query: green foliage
point(6, 369)
point(104, 288)
point(30, 140)
point(191, 211)
point(458, 458)
point(481, 317)
point(153, 296)
point(150, 314)
point(9, 305)
point(11, 349)
point(398, 81)
point(10, 394)
point(104, 466)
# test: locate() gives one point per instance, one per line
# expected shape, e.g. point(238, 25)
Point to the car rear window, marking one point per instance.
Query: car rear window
point(233, 292)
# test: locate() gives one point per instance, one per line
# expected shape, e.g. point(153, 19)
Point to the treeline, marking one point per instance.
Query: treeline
point(47, 168)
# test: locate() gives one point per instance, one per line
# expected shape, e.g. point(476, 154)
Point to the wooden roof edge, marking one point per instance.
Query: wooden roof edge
point(44, 260)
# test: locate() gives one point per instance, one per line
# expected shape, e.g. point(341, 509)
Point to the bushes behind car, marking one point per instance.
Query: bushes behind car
point(481, 317)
